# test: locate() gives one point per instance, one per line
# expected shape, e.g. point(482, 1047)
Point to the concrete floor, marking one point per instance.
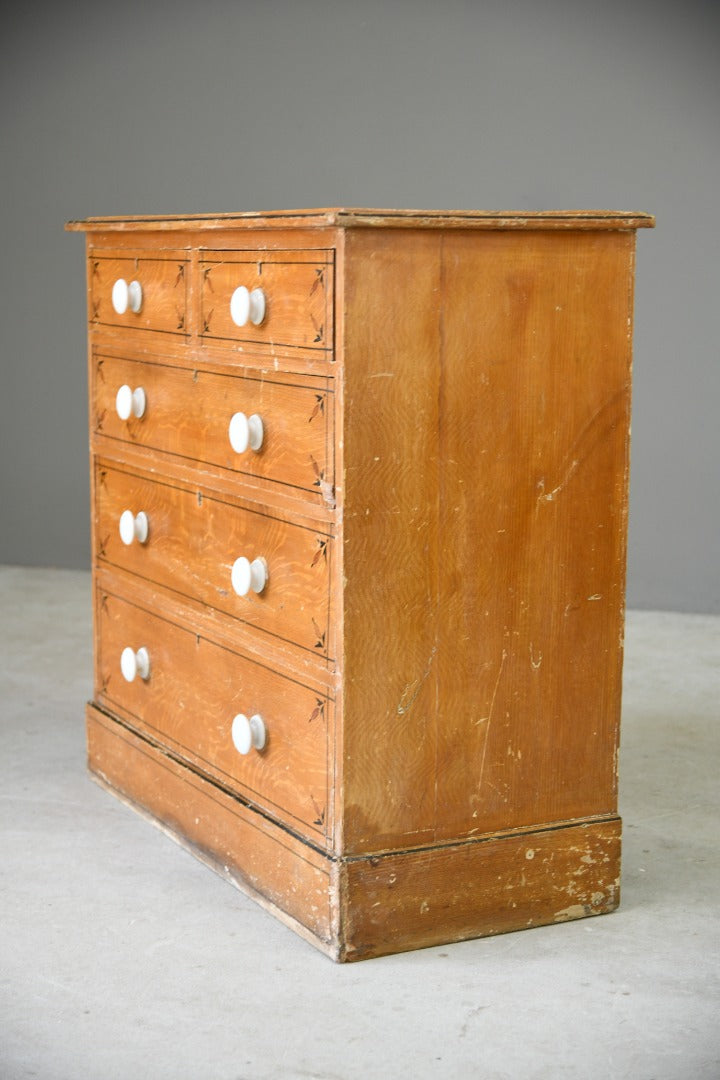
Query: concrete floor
point(122, 958)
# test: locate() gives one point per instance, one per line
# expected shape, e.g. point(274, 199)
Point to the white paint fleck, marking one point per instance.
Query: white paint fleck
point(575, 911)
point(535, 664)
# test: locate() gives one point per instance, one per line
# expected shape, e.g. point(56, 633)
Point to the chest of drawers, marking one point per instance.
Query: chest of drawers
point(359, 499)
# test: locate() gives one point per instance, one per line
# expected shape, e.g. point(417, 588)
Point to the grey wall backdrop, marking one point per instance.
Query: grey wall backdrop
point(206, 106)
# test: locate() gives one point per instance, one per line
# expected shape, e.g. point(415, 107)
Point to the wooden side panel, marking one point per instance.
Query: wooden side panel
point(532, 510)
point(486, 448)
point(270, 865)
point(410, 900)
point(392, 339)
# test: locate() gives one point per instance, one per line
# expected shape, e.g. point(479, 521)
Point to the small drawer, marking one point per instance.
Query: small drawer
point(212, 551)
point(268, 298)
point(139, 293)
point(202, 701)
point(217, 419)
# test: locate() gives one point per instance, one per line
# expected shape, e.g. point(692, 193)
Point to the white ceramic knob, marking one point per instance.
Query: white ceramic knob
point(126, 296)
point(134, 663)
point(134, 527)
point(245, 431)
point(248, 734)
point(248, 575)
point(130, 402)
point(246, 305)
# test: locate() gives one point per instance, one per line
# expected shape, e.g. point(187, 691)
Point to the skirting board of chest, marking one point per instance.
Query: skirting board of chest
point(359, 490)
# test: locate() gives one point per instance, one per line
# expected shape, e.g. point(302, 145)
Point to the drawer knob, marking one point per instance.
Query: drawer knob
point(134, 663)
point(248, 734)
point(248, 575)
point(130, 402)
point(246, 305)
point(134, 527)
point(126, 296)
point(245, 431)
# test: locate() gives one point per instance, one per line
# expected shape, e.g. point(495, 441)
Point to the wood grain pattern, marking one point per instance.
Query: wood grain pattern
point(390, 537)
point(487, 451)
point(442, 504)
point(188, 414)
point(188, 703)
point(534, 450)
point(164, 291)
point(298, 289)
point(193, 541)
point(357, 909)
point(348, 217)
point(410, 900)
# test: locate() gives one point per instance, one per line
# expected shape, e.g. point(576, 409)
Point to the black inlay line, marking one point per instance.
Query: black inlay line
point(168, 364)
point(232, 781)
point(216, 644)
point(208, 461)
point(229, 614)
point(114, 468)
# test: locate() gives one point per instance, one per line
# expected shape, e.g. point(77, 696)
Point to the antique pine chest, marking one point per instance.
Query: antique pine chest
point(359, 502)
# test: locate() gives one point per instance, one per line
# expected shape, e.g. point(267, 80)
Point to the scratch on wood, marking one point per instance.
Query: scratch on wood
point(550, 495)
point(488, 719)
point(411, 691)
point(575, 911)
point(535, 664)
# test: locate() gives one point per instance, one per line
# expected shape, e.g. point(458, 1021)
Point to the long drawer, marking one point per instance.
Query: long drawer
point(209, 417)
point(203, 548)
point(198, 699)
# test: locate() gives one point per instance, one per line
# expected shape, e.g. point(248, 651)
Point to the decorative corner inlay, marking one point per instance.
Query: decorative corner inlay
point(319, 710)
point(319, 281)
point(320, 643)
point(321, 552)
point(319, 473)
point(320, 811)
point(319, 407)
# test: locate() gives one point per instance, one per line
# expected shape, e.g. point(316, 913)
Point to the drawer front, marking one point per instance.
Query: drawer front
point(193, 541)
point(192, 693)
point(163, 292)
point(297, 293)
point(188, 413)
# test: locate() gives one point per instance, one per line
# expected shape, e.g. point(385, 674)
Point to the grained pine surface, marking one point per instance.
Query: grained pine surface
point(441, 501)
point(486, 457)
